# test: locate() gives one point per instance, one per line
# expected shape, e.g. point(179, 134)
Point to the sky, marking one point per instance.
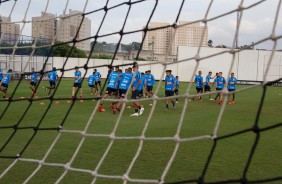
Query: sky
point(257, 22)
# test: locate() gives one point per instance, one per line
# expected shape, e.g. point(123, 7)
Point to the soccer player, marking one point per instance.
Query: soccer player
point(98, 80)
point(170, 84)
point(77, 82)
point(150, 81)
point(176, 87)
point(220, 83)
point(1, 75)
point(5, 82)
point(91, 82)
point(143, 78)
point(232, 81)
point(33, 81)
point(124, 82)
point(52, 80)
point(208, 83)
point(136, 88)
point(199, 84)
point(111, 88)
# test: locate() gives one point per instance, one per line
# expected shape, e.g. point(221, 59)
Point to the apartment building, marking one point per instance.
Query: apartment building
point(9, 32)
point(44, 27)
point(67, 28)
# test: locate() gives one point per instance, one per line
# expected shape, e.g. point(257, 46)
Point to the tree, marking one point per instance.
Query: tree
point(64, 51)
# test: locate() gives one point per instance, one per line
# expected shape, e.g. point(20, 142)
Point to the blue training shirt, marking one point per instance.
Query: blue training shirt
point(208, 78)
point(7, 78)
point(91, 80)
point(1, 74)
point(34, 76)
point(136, 79)
point(232, 80)
point(169, 83)
point(199, 81)
point(177, 84)
point(53, 76)
point(150, 80)
point(77, 75)
point(125, 80)
point(220, 81)
point(113, 80)
point(98, 76)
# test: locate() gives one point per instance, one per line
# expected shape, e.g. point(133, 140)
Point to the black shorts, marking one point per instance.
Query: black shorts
point(207, 88)
point(52, 83)
point(176, 91)
point(91, 86)
point(135, 94)
point(5, 86)
point(76, 85)
point(169, 93)
point(32, 83)
point(122, 93)
point(199, 90)
point(98, 82)
point(141, 93)
point(111, 91)
point(149, 88)
point(231, 89)
point(219, 89)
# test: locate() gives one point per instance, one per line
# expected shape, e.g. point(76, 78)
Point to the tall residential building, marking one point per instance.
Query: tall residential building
point(9, 32)
point(161, 41)
point(68, 27)
point(44, 26)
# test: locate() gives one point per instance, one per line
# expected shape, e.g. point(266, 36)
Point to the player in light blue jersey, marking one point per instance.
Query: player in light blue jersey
point(232, 81)
point(1, 75)
point(91, 82)
point(111, 88)
point(124, 82)
point(176, 90)
point(150, 81)
point(5, 82)
point(143, 78)
point(199, 84)
point(208, 84)
point(52, 80)
point(136, 88)
point(33, 81)
point(170, 85)
point(220, 84)
point(98, 80)
point(77, 82)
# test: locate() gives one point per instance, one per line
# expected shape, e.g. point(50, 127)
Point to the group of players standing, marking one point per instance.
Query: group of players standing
point(119, 82)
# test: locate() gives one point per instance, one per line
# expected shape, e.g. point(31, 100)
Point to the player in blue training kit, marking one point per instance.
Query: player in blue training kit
point(91, 82)
point(111, 88)
point(149, 82)
point(5, 82)
point(52, 80)
point(98, 80)
point(220, 83)
point(208, 83)
point(1, 75)
point(77, 82)
point(176, 90)
point(170, 85)
point(143, 78)
point(136, 88)
point(33, 81)
point(199, 85)
point(232, 81)
point(124, 82)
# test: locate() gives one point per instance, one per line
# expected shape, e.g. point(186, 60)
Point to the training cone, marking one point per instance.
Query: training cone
point(128, 107)
point(68, 101)
point(22, 97)
point(41, 103)
point(57, 102)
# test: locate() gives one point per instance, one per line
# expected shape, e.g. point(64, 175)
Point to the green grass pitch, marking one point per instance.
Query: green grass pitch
point(228, 161)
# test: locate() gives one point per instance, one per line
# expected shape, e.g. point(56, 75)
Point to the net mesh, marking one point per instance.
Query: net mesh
point(177, 139)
